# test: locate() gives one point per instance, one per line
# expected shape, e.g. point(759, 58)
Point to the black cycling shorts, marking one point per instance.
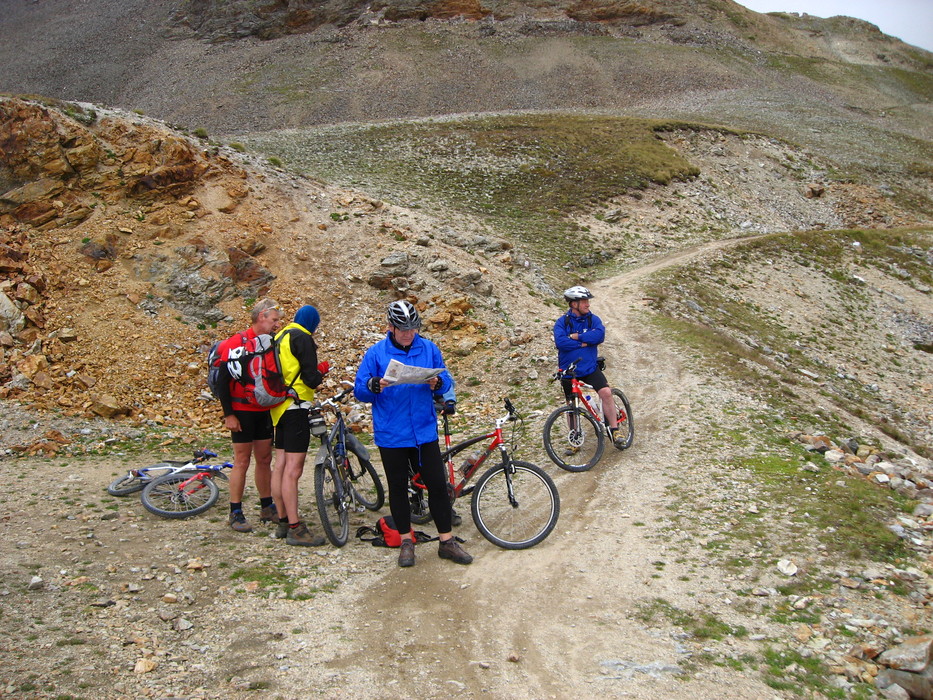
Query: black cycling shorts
point(254, 425)
point(293, 433)
point(596, 379)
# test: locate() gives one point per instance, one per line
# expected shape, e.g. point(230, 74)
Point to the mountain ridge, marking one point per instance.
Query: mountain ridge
point(364, 67)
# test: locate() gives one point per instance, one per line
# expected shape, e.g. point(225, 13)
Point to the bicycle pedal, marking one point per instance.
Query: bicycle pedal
point(466, 491)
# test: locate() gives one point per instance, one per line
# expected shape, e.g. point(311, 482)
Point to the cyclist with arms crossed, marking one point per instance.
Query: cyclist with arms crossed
point(577, 335)
point(405, 427)
point(250, 426)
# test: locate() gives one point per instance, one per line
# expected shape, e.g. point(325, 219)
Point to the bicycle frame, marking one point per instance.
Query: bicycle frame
point(199, 457)
point(530, 507)
point(207, 471)
point(579, 398)
point(335, 439)
point(497, 442)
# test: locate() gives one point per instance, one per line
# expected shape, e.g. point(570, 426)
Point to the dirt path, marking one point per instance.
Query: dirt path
point(556, 620)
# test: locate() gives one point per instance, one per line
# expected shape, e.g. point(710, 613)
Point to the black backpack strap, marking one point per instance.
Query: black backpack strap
point(371, 535)
point(425, 537)
point(289, 390)
point(375, 540)
point(568, 327)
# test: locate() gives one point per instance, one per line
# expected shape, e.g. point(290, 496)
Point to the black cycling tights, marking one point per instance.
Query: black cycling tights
point(425, 459)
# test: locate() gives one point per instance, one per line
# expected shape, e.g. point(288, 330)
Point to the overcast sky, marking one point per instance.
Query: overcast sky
point(908, 20)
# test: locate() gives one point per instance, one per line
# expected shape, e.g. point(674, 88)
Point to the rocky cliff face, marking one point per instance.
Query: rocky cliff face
point(226, 21)
point(127, 248)
point(232, 20)
point(89, 202)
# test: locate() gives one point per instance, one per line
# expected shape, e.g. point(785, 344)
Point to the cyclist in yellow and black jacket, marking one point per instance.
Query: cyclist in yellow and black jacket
point(302, 371)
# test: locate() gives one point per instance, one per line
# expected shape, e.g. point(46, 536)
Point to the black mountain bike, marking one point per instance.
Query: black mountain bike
point(344, 477)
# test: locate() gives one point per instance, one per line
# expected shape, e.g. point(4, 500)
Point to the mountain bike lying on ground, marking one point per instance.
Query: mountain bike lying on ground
point(136, 479)
point(344, 478)
point(515, 504)
point(575, 434)
point(186, 492)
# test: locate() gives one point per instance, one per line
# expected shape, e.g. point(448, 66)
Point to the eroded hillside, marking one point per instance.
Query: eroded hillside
point(129, 248)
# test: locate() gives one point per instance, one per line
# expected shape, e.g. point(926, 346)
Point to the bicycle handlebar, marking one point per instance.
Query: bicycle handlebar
point(333, 400)
point(511, 416)
point(569, 371)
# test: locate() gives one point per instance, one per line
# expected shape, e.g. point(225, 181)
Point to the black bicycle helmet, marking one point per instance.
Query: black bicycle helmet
point(576, 293)
point(403, 315)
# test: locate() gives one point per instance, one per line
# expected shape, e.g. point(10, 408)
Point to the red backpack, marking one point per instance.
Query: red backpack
point(384, 534)
point(255, 364)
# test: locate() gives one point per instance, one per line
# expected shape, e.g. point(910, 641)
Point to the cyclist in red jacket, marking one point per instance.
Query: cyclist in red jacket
point(250, 426)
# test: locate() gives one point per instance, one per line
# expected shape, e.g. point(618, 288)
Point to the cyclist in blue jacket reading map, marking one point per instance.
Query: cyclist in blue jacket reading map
point(405, 424)
point(577, 335)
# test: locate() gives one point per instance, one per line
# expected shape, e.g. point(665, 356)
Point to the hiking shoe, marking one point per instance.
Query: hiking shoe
point(451, 549)
point(618, 439)
point(269, 514)
point(455, 518)
point(406, 553)
point(301, 537)
point(281, 530)
point(238, 522)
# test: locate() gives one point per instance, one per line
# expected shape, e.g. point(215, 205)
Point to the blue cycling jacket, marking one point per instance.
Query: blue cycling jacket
point(403, 414)
point(592, 332)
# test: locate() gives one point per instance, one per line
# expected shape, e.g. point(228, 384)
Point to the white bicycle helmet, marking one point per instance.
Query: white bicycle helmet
point(576, 293)
point(234, 366)
point(403, 316)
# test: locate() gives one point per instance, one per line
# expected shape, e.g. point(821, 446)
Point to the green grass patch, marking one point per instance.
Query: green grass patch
point(789, 671)
point(850, 520)
point(274, 577)
point(884, 79)
point(70, 642)
point(701, 625)
point(523, 174)
point(263, 575)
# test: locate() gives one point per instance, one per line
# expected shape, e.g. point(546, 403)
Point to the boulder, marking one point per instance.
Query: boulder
point(11, 318)
point(913, 654)
point(106, 406)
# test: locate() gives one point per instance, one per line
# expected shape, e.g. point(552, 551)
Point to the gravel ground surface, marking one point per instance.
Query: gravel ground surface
point(122, 588)
point(120, 603)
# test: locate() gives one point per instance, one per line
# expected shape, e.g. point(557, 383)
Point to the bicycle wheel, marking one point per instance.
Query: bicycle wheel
point(133, 482)
point(332, 506)
point(527, 517)
point(365, 482)
point(167, 497)
point(626, 423)
point(418, 504)
point(573, 439)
